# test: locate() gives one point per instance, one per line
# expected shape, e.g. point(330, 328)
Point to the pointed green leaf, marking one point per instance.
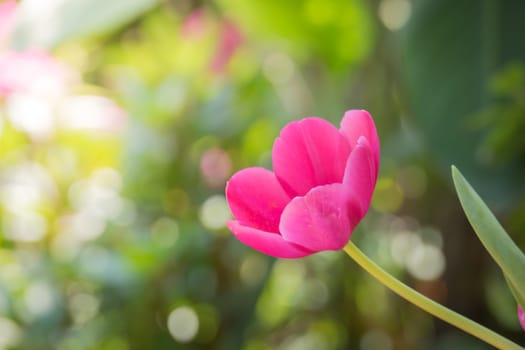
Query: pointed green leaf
point(495, 239)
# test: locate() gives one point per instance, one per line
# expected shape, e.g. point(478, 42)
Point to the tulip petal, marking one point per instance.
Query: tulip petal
point(309, 153)
point(321, 220)
point(267, 242)
point(256, 198)
point(361, 174)
point(357, 123)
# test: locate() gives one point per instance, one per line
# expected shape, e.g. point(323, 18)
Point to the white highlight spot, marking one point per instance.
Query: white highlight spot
point(25, 227)
point(31, 114)
point(214, 212)
point(426, 262)
point(394, 13)
point(39, 299)
point(10, 333)
point(183, 324)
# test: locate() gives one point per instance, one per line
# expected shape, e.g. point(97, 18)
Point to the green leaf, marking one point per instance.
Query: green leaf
point(47, 25)
point(519, 297)
point(493, 236)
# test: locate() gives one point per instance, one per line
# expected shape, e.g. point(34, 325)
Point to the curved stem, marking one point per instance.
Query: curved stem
point(427, 304)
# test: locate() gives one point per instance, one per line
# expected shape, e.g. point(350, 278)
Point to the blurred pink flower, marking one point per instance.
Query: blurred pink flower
point(320, 189)
point(215, 166)
point(7, 20)
point(32, 71)
point(521, 316)
point(230, 38)
point(197, 24)
point(194, 24)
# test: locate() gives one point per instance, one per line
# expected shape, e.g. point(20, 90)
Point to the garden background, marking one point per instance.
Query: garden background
point(121, 121)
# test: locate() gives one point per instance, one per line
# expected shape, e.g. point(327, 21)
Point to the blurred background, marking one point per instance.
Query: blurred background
point(121, 121)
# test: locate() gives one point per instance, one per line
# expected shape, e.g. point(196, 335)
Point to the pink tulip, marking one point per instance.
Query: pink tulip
point(320, 189)
point(521, 316)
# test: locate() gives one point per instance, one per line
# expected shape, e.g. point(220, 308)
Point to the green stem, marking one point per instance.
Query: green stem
point(427, 304)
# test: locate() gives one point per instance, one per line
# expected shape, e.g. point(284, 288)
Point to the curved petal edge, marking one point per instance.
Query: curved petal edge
point(309, 153)
point(267, 242)
point(358, 123)
point(256, 198)
point(321, 220)
point(361, 173)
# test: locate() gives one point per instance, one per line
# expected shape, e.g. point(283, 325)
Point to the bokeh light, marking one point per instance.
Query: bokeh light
point(183, 324)
point(426, 262)
point(214, 212)
point(215, 166)
point(253, 269)
point(39, 299)
point(11, 333)
point(83, 307)
point(394, 13)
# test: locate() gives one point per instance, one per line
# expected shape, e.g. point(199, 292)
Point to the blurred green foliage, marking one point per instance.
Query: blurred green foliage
point(505, 118)
point(451, 51)
point(113, 234)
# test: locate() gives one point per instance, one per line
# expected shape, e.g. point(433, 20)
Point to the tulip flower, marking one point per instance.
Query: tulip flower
point(320, 188)
point(521, 316)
